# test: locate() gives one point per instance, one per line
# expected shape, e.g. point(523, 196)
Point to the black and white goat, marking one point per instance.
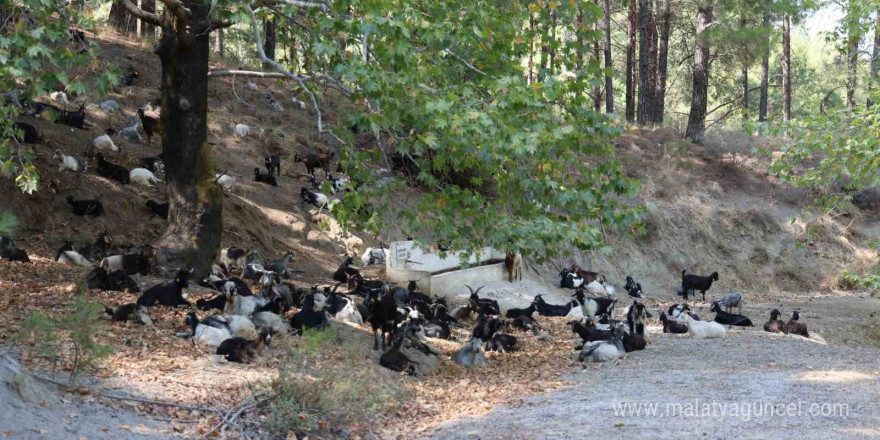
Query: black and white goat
point(117, 281)
point(485, 306)
point(723, 317)
point(636, 319)
point(793, 327)
point(241, 350)
point(273, 163)
point(129, 312)
point(671, 326)
point(312, 315)
point(633, 288)
point(168, 293)
point(594, 306)
point(268, 179)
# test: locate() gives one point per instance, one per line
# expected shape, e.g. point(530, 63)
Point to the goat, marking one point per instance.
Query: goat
point(158, 209)
point(312, 315)
point(604, 351)
point(131, 132)
point(594, 306)
point(437, 327)
point(723, 317)
point(501, 342)
point(633, 288)
point(77, 164)
point(233, 257)
point(695, 282)
point(774, 325)
point(635, 319)
point(395, 359)
point(270, 321)
point(597, 288)
point(240, 130)
point(670, 326)
point(226, 181)
point(117, 281)
point(130, 78)
point(29, 134)
point(143, 176)
point(274, 163)
point(60, 97)
point(633, 342)
point(545, 309)
point(168, 293)
point(279, 265)
point(75, 119)
point(67, 255)
point(732, 300)
point(84, 208)
point(676, 309)
point(8, 251)
point(383, 315)
point(570, 280)
point(516, 313)
point(793, 327)
point(98, 250)
point(237, 304)
point(588, 332)
point(268, 179)
point(337, 184)
point(129, 312)
point(218, 302)
point(701, 329)
point(587, 276)
point(206, 334)
point(486, 327)
point(513, 263)
point(112, 171)
point(110, 106)
point(154, 164)
point(470, 354)
point(523, 322)
point(485, 306)
point(313, 197)
point(151, 125)
point(138, 262)
point(374, 256)
point(241, 350)
point(104, 142)
point(313, 161)
point(345, 272)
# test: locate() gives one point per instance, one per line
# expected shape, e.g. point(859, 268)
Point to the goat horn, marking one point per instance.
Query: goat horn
point(478, 289)
point(469, 288)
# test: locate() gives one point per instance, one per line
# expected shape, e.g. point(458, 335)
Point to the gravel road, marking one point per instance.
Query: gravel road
point(748, 368)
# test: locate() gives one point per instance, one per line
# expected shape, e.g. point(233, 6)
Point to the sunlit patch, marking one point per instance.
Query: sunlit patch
point(836, 376)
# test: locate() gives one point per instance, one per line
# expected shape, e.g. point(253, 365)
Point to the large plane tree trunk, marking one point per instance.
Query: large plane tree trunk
point(192, 238)
point(609, 78)
point(630, 64)
point(786, 68)
point(662, 61)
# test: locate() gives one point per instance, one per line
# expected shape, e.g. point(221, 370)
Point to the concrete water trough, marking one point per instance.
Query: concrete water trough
point(441, 276)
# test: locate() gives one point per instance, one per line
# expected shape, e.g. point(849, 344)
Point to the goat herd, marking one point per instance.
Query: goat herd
point(246, 318)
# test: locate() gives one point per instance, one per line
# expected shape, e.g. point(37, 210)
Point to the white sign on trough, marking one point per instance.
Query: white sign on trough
point(440, 276)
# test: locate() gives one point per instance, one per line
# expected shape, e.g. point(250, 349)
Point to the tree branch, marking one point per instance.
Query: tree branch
point(246, 73)
point(297, 3)
point(220, 24)
point(300, 80)
point(140, 13)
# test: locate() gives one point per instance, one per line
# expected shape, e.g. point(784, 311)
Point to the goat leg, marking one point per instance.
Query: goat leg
point(376, 340)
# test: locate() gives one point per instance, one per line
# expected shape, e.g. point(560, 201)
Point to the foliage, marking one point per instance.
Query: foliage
point(37, 57)
point(7, 223)
point(76, 329)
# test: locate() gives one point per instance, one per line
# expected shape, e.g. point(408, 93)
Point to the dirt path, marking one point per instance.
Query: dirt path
point(746, 367)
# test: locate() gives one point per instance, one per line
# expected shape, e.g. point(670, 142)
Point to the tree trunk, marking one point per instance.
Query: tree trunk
point(269, 44)
point(852, 61)
point(545, 48)
point(579, 40)
point(147, 29)
point(597, 91)
point(696, 127)
point(662, 62)
point(630, 64)
point(192, 238)
point(874, 78)
point(552, 42)
point(532, 48)
point(745, 75)
point(219, 42)
point(765, 70)
point(122, 20)
point(786, 67)
point(647, 62)
point(609, 66)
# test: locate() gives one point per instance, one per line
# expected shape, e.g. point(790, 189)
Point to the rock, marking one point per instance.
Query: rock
point(471, 355)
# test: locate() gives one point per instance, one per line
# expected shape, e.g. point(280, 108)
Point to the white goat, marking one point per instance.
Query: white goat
point(350, 314)
point(73, 257)
point(72, 163)
point(103, 142)
point(143, 177)
point(226, 181)
point(60, 97)
point(701, 329)
point(374, 256)
point(240, 130)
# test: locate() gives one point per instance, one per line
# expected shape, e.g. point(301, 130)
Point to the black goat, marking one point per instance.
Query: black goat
point(84, 208)
point(485, 306)
point(116, 281)
point(313, 161)
point(8, 251)
point(75, 119)
point(635, 319)
point(28, 135)
point(588, 333)
point(394, 359)
point(268, 179)
point(167, 294)
point(671, 326)
point(154, 163)
point(113, 171)
point(516, 313)
point(796, 328)
point(158, 209)
point(695, 282)
point(723, 317)
point(131, 77)
point(545, 309)
point(218, 302)
point(633, 342)
point(437, 328)
point(242, 350)
point(774, 325)
point(273, 163)
point(523, 322)
point(344, 273)
point(383, 315)
point(501, 342)
point(633, 288)
point(486, 327)
point(312, 314)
